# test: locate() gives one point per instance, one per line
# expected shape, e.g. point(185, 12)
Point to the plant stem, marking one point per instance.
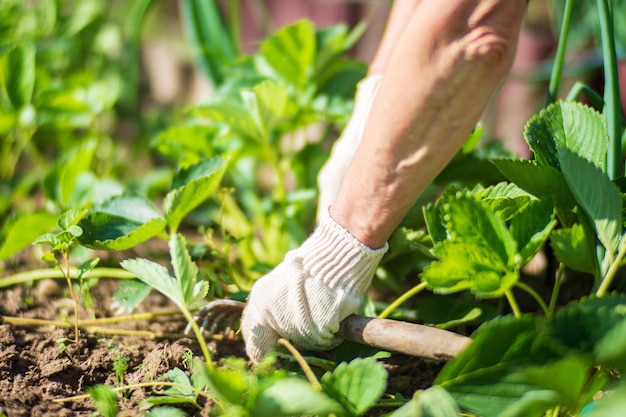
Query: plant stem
point(199, 336)
point(557, 68)
point(24, 321)
point(134, 386)
point(400, 300)
point(513, 304)
point(555, 290)
point(610, 274)
point(534, 294)
point(305, 366)
point(49, 273)
point(612, 103)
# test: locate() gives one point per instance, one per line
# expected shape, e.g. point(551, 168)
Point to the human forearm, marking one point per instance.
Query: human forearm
point(443, 71)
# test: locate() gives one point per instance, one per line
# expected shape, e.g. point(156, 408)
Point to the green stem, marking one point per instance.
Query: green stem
point(305, 366)
point(199, 336)
point(48, 273)
point(557, 68)
point(610, 274)
point(534, 294)
point(234, 23)
point(400, 300)
point(555, 290)
point(513, 304)
point(612, 103)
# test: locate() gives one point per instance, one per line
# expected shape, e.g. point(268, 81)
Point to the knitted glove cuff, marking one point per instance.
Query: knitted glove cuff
point(340, 259)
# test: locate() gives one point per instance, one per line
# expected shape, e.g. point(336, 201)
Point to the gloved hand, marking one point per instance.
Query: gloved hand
point(331, 175)
point(306, 296)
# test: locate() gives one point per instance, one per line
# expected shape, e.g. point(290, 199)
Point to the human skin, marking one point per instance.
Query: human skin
point(444, 67)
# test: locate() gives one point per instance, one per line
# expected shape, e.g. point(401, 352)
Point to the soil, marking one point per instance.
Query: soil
point(38, 378)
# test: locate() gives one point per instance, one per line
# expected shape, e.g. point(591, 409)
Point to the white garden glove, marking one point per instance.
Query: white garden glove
point(306, 296)
point(334, 170)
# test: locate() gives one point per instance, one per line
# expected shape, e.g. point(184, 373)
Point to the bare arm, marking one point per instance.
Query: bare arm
point(399, 17)
point(445, 66)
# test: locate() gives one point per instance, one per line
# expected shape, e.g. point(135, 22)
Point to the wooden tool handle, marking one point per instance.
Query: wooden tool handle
point(402, 337)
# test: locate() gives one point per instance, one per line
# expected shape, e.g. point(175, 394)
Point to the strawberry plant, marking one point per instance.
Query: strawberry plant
point(232, 188)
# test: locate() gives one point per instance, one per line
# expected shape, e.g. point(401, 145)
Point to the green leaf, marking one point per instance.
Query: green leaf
point(568, 125)
point(293, 397)
point(433, 402)
point(597, 195)
point(61, 180)
point(121, 222)
point(567, 383)
point(611, 348)
point(185, 271)
point(21, 230)
point(574, 248)
point(476, 378)
point(290, 52)
point(185, 144)
point(466, 266)
point(531, 228)
point(589, 326)
point(166, 412)
point(104, 398)
point(505, 199)
point(18, 74)
point(471, 222)
point(234, 115)
point(191, 187)
point(71, 218)
point(128, 295)
point(265, 102)
point(540, 181)
point(213, 47)
point(231, 385)
point(356, 385)
point(157, 277)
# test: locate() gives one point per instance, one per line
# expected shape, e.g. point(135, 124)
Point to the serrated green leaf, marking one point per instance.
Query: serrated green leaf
point(568, 125)
point(191, 187)
point(121, 222)
point(265, 102)
point(573, 248)
point(505, 199)
point(466, 266)
point(433, 402)
point(19, 231)
point(356, 385)
point(128, 295)
point(433, 218)
point(291, 51)
point(596, 194)
point(582, 325)
point(71, 218)
point(293, 397)
point(531, 228)
point(540, 181)
point(157, 277)
point(469, 221)
point(477, 378)
point(104, 398)
point(18, 74)
point(186, 271)
point(47, 239)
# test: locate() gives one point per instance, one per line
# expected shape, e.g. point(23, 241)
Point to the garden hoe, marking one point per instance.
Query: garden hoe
point(390, 335)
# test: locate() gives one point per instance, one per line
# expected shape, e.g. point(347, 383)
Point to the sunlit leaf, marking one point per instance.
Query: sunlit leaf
point(596, 194)
point(20, 230)
point(433, 402)
point(574, 248)
point(157, 277)
point(293, 397)
point(356, 385)
point(105, 399)
point(191, 187)
point(568, 125)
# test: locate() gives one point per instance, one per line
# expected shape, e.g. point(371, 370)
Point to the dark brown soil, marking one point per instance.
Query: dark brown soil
point(38, 378)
